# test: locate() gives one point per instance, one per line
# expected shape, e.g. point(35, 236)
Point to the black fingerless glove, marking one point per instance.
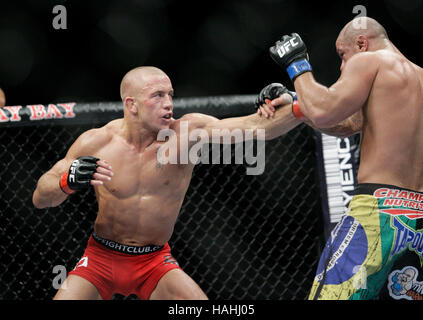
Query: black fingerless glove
point(270, 92)
point(79, 175)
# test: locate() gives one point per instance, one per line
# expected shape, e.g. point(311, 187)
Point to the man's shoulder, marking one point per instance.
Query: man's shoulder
point(397, 63)
point(102, 134)
point(367, 57)
point(363, 63)
point(389, 58)
point(112, 127)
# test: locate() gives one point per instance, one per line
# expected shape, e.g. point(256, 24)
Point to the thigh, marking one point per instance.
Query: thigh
point(356, 251)
point(177, 285)
point(77, 288)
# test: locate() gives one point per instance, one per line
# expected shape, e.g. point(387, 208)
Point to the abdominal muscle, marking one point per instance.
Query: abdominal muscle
point(138, 220)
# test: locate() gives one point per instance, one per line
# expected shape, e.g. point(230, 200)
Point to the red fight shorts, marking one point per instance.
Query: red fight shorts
point(117, 268)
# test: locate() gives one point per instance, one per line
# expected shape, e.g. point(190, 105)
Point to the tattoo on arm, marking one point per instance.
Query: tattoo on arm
point(345, 128)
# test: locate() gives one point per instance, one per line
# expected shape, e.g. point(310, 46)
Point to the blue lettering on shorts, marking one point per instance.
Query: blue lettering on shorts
point(406, 237)
point(349, 246)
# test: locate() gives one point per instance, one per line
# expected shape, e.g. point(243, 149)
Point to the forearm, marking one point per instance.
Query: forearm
point(254, 126)
point(341, 130)
point(270, 128)
point(48, 192)
point(345, 128)
point(282, 122)
point(276, 115)
point(313, 98)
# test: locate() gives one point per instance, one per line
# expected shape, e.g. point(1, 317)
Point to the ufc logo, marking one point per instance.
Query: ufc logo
point(75, 163)
point(72, 176)
point(285, 47)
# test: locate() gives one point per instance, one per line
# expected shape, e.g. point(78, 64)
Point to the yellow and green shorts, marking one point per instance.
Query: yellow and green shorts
point(379, 225)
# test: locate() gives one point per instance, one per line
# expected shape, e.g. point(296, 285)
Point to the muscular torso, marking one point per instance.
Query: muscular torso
point(392, 133)
point(141, 203)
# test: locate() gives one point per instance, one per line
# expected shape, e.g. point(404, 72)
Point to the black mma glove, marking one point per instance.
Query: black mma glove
point(275, 90)
point(270, 92)
point(79, 175)
point(291, 54)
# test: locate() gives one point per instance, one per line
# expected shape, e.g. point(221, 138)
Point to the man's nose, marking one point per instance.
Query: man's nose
point(168, 104)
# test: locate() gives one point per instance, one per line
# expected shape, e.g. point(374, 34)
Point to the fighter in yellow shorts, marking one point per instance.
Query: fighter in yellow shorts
point(380, 93)
point(380, 223)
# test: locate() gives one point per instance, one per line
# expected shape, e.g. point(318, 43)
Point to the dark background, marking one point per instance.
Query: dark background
point(206, 47)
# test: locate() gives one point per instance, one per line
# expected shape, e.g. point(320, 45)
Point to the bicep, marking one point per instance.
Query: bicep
point(326, 107)
point(350, 92)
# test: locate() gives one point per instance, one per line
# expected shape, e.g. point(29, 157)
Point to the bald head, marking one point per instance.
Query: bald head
point(136, 79)
point(362, 26)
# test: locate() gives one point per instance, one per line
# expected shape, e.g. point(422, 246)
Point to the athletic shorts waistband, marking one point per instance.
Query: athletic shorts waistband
point(123, 248)
point(387, 191)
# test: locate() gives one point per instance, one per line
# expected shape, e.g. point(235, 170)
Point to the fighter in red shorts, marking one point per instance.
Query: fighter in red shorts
point(140, 198)
point(117, 268)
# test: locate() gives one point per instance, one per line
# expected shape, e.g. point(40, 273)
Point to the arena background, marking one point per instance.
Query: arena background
point(239, 237)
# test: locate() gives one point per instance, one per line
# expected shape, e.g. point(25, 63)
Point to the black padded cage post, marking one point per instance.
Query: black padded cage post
point(238, 236)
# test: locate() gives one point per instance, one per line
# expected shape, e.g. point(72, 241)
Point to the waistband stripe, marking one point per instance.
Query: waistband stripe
point(135, 250)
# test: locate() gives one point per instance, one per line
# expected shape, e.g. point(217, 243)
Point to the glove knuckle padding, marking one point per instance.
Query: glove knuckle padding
point(288, 49)
point(84, 169)
point(88, 159)
point(271, 91)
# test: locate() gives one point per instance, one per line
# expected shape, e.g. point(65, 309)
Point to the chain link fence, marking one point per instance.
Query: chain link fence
point(238, 236)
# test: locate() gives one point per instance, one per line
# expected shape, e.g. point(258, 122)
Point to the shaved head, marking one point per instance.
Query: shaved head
point(359, 35)
point(364, 26)
point(135, 79)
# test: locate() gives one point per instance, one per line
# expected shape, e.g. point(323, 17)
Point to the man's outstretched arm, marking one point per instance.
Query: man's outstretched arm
point(282, 122)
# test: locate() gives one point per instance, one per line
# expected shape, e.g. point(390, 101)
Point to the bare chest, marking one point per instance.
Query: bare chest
point(142, 173)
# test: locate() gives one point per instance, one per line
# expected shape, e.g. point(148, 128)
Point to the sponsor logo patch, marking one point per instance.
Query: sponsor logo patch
point(398, 202)
point(402, 284)
point(405, 238)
